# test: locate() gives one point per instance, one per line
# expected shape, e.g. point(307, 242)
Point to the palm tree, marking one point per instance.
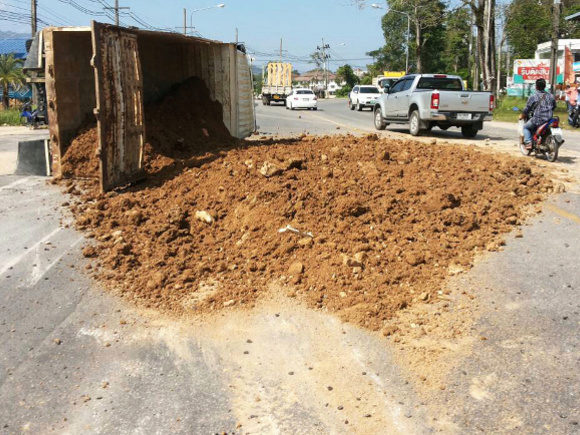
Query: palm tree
point(11, 76)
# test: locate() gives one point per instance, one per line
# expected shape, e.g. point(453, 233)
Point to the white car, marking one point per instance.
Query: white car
point(301, 99)
point(363, 96)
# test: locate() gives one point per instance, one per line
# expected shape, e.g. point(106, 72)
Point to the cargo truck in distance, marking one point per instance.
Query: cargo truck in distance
point(277, 83)
point(425, 101)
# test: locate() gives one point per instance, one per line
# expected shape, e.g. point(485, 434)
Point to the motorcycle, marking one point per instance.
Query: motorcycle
point(34, 117)
point(574, 116)
point(546, 141)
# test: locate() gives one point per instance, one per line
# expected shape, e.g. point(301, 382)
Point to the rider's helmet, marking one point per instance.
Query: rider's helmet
point(540, 84)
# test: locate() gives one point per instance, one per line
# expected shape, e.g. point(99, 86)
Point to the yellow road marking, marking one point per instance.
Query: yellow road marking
point(563, 213)
point(340, 124)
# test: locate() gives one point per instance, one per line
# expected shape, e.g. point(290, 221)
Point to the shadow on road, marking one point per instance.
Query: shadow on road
point(448, 134)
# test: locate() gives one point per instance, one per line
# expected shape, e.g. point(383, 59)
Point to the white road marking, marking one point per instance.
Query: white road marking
point(20, 257)
point(38, 272)
point(15, 183)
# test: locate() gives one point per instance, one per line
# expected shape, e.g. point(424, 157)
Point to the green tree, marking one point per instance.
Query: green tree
point(529, 23)
point(346, 74)
point(390, 56)
point(456, 52)
point(427, 18)
point(426, 38)
point(11, 76)
point(366, 80)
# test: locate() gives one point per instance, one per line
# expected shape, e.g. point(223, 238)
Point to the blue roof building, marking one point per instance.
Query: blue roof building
point(16, 46)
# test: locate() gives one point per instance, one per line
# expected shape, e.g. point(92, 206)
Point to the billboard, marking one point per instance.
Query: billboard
point(530, 70)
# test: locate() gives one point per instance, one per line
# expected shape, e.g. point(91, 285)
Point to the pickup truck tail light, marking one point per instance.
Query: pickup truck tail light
point(295, 98)
point(315, 98)
point(435, 100)
point(491, 103)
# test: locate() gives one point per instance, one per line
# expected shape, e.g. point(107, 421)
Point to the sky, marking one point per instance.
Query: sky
point(351, 32)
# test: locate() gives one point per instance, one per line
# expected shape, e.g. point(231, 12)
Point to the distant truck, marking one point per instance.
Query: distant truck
point(277, 83)
point(387, 79)
point(428, 100)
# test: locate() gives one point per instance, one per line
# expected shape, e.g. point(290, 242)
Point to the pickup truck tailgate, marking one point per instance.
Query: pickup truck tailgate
point(464, 101)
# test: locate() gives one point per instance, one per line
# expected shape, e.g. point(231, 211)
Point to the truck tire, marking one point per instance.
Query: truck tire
point(415, 123)
point(469, 131)
point(380, 123)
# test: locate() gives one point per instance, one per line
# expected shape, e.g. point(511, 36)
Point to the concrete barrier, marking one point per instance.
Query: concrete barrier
point(33, 157)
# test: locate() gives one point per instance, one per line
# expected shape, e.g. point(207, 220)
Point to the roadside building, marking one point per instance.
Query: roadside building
point(316, 80)
point(17, 48)
point(527, 71)
point(360, 72)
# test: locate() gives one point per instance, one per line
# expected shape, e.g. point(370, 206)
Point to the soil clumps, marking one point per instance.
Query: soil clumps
point(185, 123)
point(359, 226)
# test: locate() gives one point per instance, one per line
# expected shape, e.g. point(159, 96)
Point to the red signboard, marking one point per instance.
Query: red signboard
point(540, 71)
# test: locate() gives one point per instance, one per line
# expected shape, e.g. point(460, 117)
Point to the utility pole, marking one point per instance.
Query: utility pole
point(33, 17)
point(184, 21)
point(116, 8)
point(324, 57)
point(280, 50)
point(554, 53)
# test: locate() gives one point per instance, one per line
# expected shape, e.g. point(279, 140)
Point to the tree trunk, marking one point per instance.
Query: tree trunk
point(487, 58)
point(5, 99)
point(419, 51)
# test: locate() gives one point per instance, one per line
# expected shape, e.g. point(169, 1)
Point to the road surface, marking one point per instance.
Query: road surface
point(333, 116)
point(75, 359)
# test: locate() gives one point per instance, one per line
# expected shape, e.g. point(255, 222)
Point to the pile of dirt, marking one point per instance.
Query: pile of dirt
point(184, 123)
point(360, 226)
point(80, 159)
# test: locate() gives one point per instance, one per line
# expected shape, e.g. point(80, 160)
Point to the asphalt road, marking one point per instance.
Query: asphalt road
point(333, 116)
point(75, 359)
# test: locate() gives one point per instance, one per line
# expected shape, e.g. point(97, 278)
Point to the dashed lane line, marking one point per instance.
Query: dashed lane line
point(563, 213)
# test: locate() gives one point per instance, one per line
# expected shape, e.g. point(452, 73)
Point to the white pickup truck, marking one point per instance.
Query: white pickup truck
point(428, 100)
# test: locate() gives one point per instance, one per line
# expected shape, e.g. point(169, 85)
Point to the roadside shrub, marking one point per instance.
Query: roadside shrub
point(10, 117)
point(343, 92)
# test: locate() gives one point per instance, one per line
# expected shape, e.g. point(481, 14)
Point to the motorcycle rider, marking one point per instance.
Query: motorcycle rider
point(542, 104)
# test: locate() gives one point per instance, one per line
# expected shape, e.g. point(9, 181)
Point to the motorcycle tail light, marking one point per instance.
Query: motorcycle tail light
point(491, 103)
point(435, 100)
point(556, 123)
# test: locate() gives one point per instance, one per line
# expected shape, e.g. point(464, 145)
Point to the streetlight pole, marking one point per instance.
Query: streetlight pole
point(554, 48)
point(377, 6)
point(220, 5)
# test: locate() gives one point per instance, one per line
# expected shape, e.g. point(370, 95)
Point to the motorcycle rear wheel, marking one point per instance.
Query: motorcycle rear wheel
point(552, 152)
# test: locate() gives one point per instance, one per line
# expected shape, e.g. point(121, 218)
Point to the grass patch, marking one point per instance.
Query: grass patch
point(504, 110)
point(10, 117)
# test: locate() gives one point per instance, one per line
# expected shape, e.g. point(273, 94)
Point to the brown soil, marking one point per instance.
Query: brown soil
point(80, 160)
point(185, 123)
point(380, 222)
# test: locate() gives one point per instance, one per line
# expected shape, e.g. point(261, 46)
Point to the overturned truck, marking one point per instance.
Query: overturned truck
point(110, 73)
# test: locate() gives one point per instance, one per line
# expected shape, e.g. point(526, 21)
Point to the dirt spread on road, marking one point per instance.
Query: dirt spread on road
point(359, 226)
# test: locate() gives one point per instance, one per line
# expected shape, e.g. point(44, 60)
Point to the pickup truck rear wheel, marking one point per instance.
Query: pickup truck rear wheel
point(380, 123)
point(415, 123)
point(469, 131)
